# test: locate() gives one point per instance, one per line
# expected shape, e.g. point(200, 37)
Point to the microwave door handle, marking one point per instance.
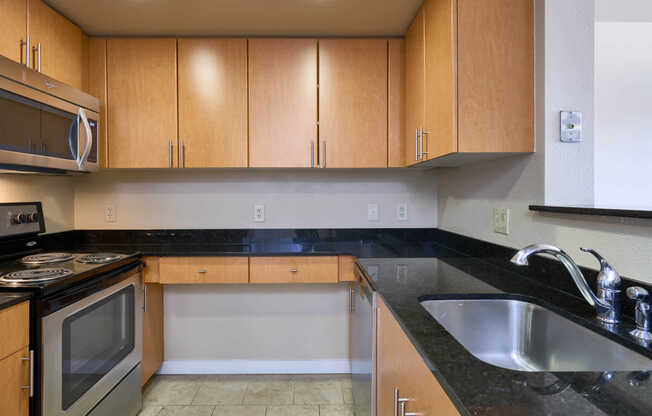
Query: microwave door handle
point(89, 139)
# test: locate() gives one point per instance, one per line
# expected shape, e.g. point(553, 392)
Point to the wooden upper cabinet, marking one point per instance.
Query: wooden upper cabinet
point(414, 66)
point(61, 44)
point(282, 102)
point(13, 29)
point(472, 87)
point(401, 367)
point(496, 76)
point(353, 103)
point(440, 121)
point(213, 102)
point(142, 102)
point(396, 105)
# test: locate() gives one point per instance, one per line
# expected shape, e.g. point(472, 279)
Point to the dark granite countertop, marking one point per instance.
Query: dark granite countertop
point(10, 299)
point(405, 265)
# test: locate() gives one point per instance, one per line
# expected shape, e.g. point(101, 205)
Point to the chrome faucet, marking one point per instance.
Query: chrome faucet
point(607, 303)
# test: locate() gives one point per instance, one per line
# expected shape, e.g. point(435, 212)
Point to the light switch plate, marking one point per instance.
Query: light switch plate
point(401, 272)
point(571, 126)
point(259, 213)
point(372, 212)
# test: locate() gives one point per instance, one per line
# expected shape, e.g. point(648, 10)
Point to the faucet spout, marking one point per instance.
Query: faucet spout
point(521, 259)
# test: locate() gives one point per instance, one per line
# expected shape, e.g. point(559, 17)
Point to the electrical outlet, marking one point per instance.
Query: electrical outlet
point(372, 212)
point(501, 220)
point(259, 213)
point(372, 271)
point(401, 272)
point(109, 213)
point(402, 211)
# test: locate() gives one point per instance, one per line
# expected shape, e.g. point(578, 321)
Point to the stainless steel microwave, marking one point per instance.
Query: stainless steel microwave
point(45, 126)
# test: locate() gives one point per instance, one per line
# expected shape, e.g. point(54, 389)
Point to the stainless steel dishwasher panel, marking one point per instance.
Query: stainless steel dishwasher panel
point(363, 356)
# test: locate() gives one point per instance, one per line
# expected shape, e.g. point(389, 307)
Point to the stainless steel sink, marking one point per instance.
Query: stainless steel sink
point(523, 336)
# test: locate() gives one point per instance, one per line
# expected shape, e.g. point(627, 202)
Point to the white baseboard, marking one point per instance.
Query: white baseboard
point(255, 367)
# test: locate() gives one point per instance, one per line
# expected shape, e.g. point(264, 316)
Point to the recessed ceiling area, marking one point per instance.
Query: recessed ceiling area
point(240, 17)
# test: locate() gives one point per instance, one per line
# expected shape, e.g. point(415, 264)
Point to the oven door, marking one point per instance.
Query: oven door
point(90, 346)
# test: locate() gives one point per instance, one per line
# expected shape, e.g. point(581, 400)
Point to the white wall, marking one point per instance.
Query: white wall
point(264, 328)
point(55, 192)
point(466, 196)
point(623, 98)
point(226, 199)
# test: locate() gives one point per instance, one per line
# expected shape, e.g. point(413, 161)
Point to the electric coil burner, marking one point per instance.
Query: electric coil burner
point(46, 258)
point(35, 276)
point(100, 258)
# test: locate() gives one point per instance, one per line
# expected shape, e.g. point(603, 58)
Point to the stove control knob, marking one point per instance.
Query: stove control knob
point(33, 217)
point(19, 218)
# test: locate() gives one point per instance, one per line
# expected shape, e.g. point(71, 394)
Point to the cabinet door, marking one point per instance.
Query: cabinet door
point(152, 330)
point(213, 102)
point(142, 102)
point(353, 103)
point(13, 29)
point(440, 122)
point(401, 367)
point(496, 76)
point(14, 322)
point(414, 87)
point(14, 374)
point(282, 102)
point(61, 41)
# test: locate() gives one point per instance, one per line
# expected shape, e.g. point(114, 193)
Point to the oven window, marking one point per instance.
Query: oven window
point(95, 339)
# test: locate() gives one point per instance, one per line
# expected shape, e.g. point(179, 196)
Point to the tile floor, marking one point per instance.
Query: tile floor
point(248, 395)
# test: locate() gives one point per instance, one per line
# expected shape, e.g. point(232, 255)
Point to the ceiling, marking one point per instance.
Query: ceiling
point(240, 17)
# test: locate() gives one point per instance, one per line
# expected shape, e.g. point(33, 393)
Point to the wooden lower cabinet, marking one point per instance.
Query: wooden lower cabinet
point(346, 265)
point(294, 269)
point(14, 360)
point(400, 366)
point(184, 270)
point(153, 343)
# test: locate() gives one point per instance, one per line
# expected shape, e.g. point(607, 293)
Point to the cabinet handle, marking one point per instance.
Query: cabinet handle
point(293, 270)
point(145, 297)
point(37, 49)
point(397, 401)
point(181, 161)
point(324, 154)
point(202, 271)
point(312, 154)
point(31, 373)
point(416, 144)
point(404, 413)
point(28, 51)
point(420, 143)
point(170, 152)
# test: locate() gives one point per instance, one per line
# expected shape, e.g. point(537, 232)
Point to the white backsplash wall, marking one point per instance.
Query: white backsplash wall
point(226, 198)
point(55, 192)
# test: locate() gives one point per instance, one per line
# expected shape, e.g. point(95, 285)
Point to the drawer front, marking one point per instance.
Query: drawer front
point(182, 270)
point(346, 273)
point(14, 374)
point(151, 271)
point(14, 322)
point(299, 269)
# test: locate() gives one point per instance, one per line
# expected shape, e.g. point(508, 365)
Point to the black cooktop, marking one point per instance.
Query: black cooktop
point(78, 272)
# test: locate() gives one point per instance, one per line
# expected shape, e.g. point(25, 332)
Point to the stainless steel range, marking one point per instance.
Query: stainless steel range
point(86, 319)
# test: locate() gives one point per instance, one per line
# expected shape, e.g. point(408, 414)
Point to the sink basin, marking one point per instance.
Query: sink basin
point(524, 336)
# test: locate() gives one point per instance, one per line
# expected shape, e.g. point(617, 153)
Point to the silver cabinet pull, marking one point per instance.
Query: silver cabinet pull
point(293, 270)
point(420, 143)
point(202, 271)
point(181, 158)
point(312, 154)
point(37, 49)
point(31, 373)
point(145, 297)
point(323, 154)
point(404, 413)
point(416, 145)
point(28, 51)
point(170, 152)
point(397, 401)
